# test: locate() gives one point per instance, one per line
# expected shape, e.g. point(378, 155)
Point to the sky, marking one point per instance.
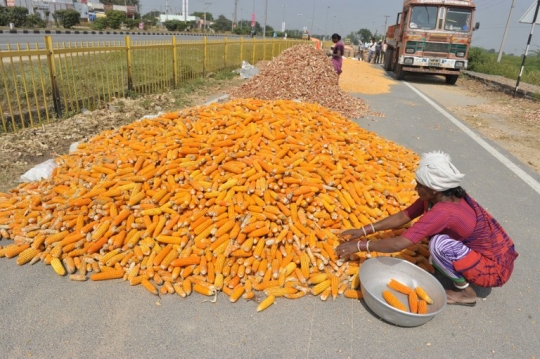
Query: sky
point(346, 16)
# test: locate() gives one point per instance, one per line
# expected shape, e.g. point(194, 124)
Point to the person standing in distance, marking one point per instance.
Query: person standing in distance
point(337, 53)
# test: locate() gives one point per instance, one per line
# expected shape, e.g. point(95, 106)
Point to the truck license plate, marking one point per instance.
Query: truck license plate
point(434, 62)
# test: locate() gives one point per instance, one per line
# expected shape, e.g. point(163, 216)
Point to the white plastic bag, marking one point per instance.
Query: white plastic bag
point(248, 71)
point(73, 147)
point(42, 171)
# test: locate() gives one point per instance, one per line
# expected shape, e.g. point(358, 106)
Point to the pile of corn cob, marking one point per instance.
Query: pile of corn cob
point(305, 74)
point(241, 197)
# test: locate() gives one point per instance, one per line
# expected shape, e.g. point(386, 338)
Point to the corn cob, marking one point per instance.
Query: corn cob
point(422, 294)
point(422, 307)
point(393, 301)
point(399, 287)
point(268, 301)
point(353, 294)
point(58, 267)
point(111, 274)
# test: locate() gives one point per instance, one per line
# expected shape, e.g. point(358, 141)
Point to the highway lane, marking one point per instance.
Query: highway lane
point(33, 39)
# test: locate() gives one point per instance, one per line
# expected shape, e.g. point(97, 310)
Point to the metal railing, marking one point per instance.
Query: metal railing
point(39, 85)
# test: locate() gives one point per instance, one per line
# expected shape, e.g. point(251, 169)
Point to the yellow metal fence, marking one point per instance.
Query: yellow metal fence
point(40, 84)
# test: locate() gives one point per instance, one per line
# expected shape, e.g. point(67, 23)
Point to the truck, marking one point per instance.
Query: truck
point(431, 37)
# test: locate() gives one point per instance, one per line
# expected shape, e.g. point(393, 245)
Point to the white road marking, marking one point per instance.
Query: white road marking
point(505, 161)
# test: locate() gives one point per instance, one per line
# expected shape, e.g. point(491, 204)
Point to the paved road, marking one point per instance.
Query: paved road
point(32, 39)
point(46, 316)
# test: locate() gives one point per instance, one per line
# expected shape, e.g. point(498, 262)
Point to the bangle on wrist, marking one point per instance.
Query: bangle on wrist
point(367, 246)
point(364, 230)
point(361, 246)
point(372, 228)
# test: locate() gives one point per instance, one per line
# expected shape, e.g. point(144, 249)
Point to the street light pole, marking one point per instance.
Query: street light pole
point(385, 21)
point(283, 22)
point(300, 23)
point(206, 4)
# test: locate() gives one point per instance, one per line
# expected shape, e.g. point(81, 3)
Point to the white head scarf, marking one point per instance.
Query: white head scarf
point(437, 172)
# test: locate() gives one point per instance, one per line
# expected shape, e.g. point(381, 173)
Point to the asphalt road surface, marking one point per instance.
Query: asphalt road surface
point(47, 316)
point(33, 39)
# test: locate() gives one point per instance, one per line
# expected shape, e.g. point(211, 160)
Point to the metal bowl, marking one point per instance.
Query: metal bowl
point(375, 273)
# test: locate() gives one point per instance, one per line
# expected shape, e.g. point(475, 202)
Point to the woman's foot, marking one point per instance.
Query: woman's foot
point(465, 297)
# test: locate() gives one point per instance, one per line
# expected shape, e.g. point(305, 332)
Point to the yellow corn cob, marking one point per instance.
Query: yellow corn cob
point(422, 307)
point(353, 294)
point(393, 301)
point(334, 286)
point(26, 256)
point(423, 295)
point(318, 278)
point(13, 250)
point(237, 293)
point(355, 281)
point(319, 288)
point(304, 264)
point(413, 302)
point(179, 290)
point(280, 292)
point(326, 293)
point(149, 286)
point(268, 301)
point(399, 287)
point(110, 274)
point(204, 290)
point(58, 267)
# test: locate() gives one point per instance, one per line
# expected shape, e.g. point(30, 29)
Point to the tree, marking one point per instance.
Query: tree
point(16, 15)
point(115, 18)
point(99, 24)
point(222, 24)
point(121, 2)
point(150, 18)
point(365, 35)
point(200, 14)
point(34, 20)
point(3, 16)
point(175, 25)
point(66, 17)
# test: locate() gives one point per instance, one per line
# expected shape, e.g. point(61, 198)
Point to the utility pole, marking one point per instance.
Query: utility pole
point(206, 4)
point(235, 20)
point(167, 10)
point(385, 21)
point(313, 19)
point(505, 31)
point(265, 18)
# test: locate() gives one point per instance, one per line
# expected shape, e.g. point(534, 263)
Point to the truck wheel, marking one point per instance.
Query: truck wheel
point(451, 79)
point(400, 74)
point(388, 59)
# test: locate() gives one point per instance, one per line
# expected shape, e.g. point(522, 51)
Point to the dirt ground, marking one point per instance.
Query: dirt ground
point(513, 123)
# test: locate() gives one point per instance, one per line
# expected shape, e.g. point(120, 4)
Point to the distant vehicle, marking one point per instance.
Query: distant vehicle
point(431, 37)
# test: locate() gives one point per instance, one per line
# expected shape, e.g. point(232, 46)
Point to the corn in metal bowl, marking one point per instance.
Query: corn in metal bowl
point(375, 273)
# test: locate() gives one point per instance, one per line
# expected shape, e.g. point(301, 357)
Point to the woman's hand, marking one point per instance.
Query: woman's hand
point(351, 234)
point(347, 249)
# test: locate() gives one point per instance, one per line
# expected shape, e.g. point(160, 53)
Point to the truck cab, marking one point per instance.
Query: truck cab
point(431, 37)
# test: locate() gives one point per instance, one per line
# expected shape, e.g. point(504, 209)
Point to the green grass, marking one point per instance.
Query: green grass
point(485, 62)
